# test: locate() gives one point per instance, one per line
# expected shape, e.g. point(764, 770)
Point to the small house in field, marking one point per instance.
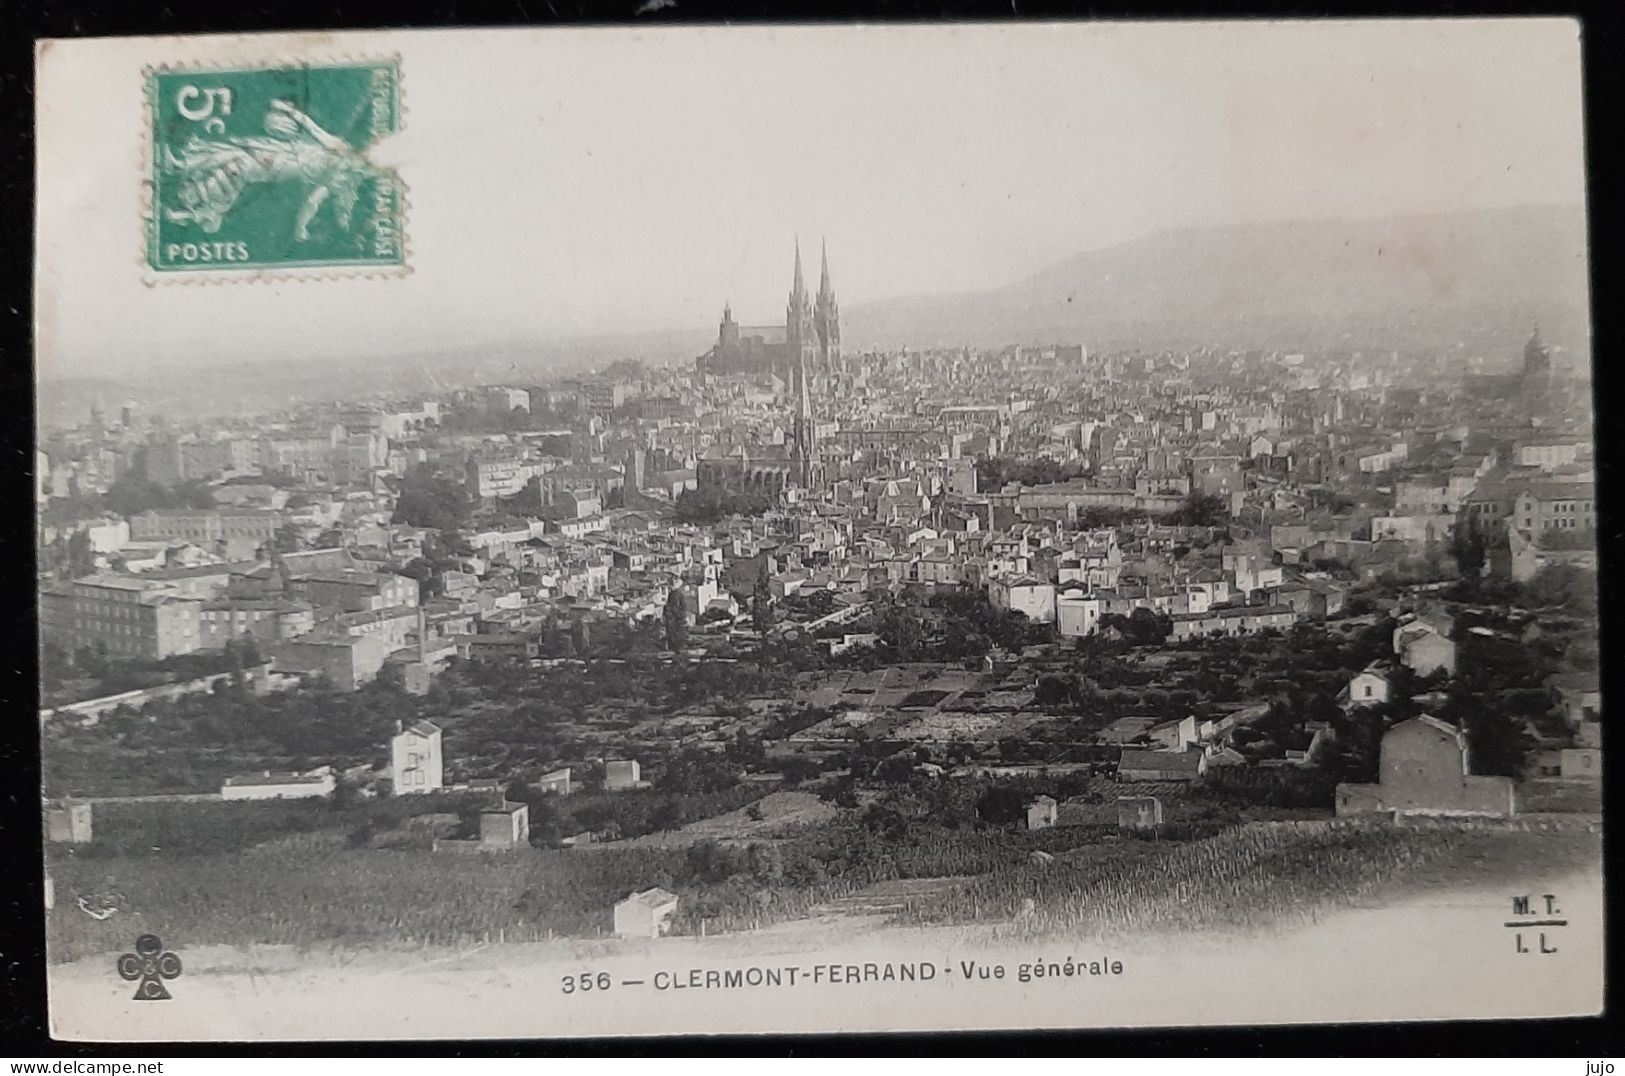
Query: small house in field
point(621, 774)
point(1041, 813)
point(269, 785)
point(501, 829)
point(1578, 695)
point(556, 781)
point(68, 822)
point(1581, 763)
point(504, 827)
point(645, 914)
point(1368, 687)
point(1137, 765)
point(1424, 769)
point(1138, 814)
point(416, 762)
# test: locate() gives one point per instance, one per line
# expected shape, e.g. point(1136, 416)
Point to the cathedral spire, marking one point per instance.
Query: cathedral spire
point(827, 318)
point(802, 346)
point(1536, 348)
point(798, 314)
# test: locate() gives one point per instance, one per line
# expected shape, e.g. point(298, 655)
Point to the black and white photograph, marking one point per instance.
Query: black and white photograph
point(778, 529)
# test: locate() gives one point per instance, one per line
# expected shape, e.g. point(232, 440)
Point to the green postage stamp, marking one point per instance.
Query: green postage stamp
point(270, 168)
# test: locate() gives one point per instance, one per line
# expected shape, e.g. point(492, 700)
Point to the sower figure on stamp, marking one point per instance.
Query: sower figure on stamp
point(214, 172)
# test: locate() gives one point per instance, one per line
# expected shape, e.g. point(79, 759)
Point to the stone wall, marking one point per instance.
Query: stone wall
point(1494, 797)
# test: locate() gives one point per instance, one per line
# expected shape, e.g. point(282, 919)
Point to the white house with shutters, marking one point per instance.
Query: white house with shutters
point(416, 760)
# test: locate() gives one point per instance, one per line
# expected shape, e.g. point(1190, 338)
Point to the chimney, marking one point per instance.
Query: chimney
point(423, 637)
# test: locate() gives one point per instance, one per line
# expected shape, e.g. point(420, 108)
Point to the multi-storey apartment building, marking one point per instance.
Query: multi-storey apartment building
point(132, 619)
point(354, 589)
point(1549, 455)
point(1551, 506)
point(499, 475)
point(205, 525)
point(266, 620)
point(1536, 507)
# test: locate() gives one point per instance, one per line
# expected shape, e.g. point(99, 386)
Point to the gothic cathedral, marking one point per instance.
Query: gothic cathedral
point(809, 349)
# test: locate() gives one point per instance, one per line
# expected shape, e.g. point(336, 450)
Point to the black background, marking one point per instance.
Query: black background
point(22, 947)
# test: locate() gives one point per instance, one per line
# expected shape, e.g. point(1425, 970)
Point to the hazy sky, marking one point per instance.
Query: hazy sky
point(575, 182)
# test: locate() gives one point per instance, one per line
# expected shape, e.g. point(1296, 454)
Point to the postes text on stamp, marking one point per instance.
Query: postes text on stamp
point(269, 168)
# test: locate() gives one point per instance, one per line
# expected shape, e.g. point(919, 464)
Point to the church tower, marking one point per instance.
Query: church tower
point(1536, 383)
point(728, 330)
point(827, 317)
point(729, 357)
point(801, 342)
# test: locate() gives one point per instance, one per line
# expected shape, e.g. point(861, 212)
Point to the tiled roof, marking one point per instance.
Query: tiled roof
point(253, 779)
point(1184, 761)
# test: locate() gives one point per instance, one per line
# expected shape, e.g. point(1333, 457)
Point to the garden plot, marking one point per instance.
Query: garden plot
point(951, 679)
point(838, 727)
point(942, 726)
point(924, 698)
point(1007, 700)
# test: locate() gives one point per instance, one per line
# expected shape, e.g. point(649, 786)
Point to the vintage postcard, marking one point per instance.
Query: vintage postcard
point(618, 531)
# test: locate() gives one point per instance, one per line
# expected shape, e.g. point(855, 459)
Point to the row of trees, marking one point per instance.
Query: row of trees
point(91, 671)
point(690, 785)
point(477, 419)
point(1142, 627)
point(191, 743)
point(1199, 510)
point(707, 506)
point(949, 626)
point(1471, 544)
point(129, 495)
point(428, 500)
point(69, 557)
point(996, 472)
point(1498, 690)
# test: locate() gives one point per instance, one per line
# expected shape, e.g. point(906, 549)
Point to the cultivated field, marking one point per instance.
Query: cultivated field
point(1351, 963)
point(779, 811)
point(319, 888)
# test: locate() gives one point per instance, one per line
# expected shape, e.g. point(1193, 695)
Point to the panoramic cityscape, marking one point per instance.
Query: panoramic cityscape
point(1014, 600)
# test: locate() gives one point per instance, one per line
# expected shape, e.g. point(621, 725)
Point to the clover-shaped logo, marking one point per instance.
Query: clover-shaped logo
point(150, 964)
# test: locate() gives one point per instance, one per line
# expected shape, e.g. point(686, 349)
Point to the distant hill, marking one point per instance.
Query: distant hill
point(183, 392)
point(1477, 278)
point(1402, 282)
